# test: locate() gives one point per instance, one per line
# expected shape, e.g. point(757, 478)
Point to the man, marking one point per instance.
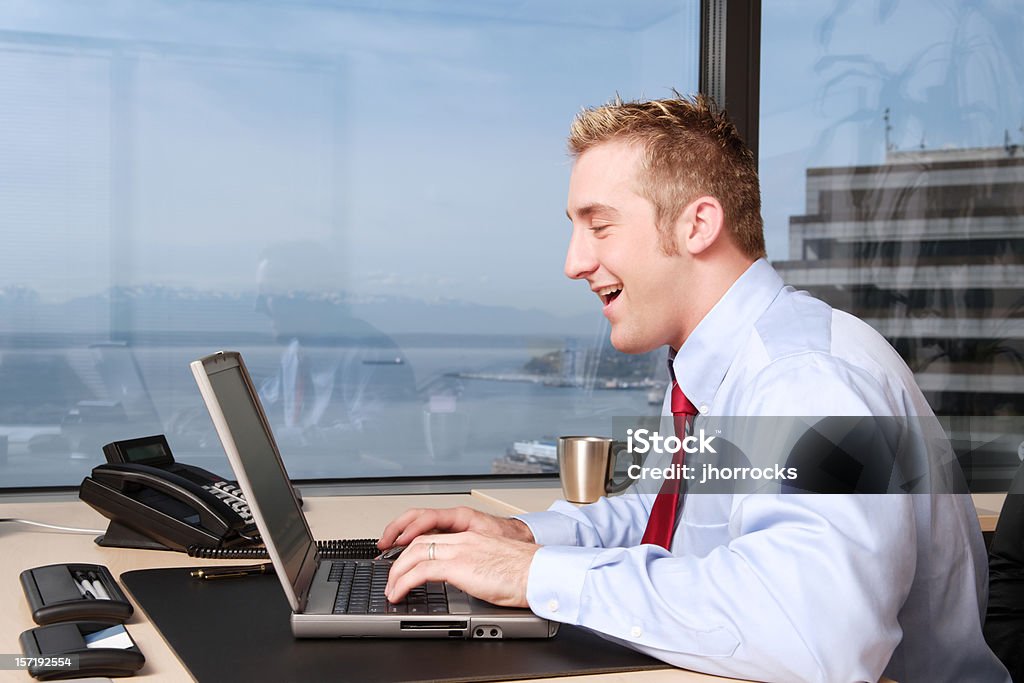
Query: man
point(665, 210)
point(340, 383)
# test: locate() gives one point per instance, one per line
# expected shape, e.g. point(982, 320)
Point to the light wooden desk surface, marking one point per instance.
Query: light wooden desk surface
point(988, 506)
point(514, 501)
point(23, 547)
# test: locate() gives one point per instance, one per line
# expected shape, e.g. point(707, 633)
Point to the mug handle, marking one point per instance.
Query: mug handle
point(617, 448)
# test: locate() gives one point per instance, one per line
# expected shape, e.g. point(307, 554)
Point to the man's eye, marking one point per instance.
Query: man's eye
point(599, 228)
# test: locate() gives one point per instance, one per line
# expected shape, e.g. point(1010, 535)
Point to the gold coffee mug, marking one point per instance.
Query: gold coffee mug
point(586, 465)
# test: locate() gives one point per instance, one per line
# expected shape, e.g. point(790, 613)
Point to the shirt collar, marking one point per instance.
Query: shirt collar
point(700, 365)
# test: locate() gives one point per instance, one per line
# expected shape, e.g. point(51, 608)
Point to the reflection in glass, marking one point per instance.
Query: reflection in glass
point(914, 198)
point(150, 166)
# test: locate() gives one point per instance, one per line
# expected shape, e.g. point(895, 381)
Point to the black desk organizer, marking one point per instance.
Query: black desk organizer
point(54, 596)
point(70, 614)
point(238, 630)
point(63, 640)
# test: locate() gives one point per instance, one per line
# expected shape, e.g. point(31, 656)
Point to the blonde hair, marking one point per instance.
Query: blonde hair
point(690, 149)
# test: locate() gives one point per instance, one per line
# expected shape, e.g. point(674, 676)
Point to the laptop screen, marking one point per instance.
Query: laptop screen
point(271, 498)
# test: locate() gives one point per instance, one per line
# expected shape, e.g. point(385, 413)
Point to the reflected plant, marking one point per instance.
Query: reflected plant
point(984, 43)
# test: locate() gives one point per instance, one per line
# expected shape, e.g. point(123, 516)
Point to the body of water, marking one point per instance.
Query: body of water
point(437, 424)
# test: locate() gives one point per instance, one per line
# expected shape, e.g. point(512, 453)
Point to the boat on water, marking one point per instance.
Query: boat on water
point(397, 360)
point(537, 450)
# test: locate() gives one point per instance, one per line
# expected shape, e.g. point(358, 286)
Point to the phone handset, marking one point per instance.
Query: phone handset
point(214, 513)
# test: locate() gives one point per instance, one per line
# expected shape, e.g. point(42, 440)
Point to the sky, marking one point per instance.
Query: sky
point(950, 72)
point(423, 149)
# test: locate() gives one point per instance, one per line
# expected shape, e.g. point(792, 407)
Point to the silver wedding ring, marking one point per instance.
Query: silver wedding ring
point(430, 551)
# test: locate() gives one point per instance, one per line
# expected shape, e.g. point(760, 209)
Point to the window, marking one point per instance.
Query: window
point(366, 199)
point(892, 165)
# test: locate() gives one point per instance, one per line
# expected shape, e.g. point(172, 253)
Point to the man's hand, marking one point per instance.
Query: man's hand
point(487, 567)
point(413, 523)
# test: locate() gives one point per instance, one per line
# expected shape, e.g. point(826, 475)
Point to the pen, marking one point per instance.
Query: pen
point(97, 587)
point(86, 592)
point(232, 572)
point(391, 553)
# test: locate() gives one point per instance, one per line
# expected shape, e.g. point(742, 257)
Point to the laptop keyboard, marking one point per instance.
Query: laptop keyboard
point(361, 586)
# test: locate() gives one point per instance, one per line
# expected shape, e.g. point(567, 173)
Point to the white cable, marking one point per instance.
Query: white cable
point(70, 529)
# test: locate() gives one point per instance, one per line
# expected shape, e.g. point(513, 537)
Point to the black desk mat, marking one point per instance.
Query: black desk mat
point(238, 630)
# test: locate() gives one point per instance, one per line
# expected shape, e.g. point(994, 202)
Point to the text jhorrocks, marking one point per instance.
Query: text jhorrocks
point(710, 472)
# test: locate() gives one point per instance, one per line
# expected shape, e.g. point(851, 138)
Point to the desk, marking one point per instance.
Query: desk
point(514, 501)
point(22, 547)
point(988, 506)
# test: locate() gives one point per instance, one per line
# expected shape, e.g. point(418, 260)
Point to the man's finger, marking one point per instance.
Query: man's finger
point(447, 548)
point(411, 556)
point(445, 519)
point(425, 523)
point(397, 526)
point(409, 525)
point(416, 576)
point(412, 524)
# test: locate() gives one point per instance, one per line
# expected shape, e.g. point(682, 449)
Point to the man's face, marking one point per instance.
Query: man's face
point(615, 248)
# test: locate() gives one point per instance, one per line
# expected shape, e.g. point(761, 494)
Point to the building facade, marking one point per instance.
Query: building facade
point(928, 248)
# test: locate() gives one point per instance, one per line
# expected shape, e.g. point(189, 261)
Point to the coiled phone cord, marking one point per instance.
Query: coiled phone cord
point(339, 549)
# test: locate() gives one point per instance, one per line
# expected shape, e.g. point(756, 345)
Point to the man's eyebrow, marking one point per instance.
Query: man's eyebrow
point(590, 209)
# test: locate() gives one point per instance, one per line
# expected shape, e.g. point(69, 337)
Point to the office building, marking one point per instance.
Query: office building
point(928, 248)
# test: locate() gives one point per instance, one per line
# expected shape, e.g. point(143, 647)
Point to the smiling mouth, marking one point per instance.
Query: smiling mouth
point(609, 294)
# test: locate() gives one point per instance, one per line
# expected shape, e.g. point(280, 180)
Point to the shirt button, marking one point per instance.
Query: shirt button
point(703, 408)
point(552, 605)
point(636, 632)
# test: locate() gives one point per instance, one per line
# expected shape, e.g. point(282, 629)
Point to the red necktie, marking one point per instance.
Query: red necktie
point(661, 525)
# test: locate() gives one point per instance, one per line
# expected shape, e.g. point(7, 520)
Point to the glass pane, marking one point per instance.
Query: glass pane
point(892, 155)
point(366, 199)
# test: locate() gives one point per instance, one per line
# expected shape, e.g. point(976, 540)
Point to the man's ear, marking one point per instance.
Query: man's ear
point(702, 223)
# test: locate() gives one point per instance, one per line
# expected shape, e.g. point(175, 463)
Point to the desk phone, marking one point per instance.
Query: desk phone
point(156, 503)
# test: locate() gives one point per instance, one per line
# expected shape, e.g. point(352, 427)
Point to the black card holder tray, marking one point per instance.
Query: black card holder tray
point(48, 645)
point(54, 595)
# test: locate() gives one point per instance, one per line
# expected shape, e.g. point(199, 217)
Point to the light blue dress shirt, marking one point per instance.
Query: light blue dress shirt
point(777, 587)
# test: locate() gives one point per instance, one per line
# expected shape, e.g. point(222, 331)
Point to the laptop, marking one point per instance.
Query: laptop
point(332, 598)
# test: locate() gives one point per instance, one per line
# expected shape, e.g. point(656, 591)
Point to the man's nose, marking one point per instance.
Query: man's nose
point(579, 260)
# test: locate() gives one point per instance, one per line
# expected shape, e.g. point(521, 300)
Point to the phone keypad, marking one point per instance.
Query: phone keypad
point(232, 496)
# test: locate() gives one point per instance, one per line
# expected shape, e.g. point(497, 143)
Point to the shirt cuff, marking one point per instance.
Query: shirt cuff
point(550, 528)
point(554, 586)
